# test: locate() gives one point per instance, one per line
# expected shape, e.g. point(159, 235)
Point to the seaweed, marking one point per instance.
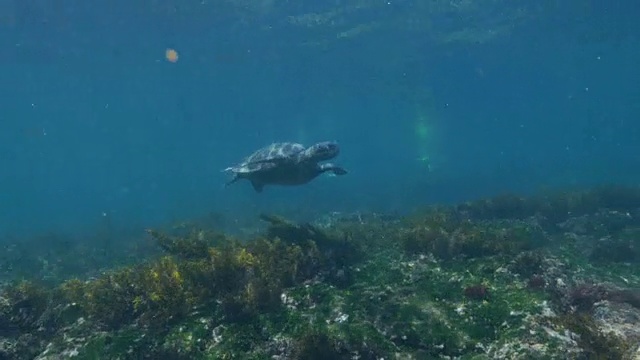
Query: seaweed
point(595, 343)
point(448, 237)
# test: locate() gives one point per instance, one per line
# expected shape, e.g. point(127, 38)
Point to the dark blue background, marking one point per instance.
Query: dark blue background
point(552, 102)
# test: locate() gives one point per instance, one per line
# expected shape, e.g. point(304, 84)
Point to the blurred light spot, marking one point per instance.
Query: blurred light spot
point(171, 55)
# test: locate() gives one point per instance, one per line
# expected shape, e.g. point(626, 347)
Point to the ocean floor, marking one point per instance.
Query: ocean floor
point(551, 276)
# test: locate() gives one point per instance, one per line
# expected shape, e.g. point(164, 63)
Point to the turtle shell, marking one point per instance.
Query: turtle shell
point(267, 157)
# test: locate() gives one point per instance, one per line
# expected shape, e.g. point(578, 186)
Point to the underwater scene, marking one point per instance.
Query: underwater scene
point(345, 179)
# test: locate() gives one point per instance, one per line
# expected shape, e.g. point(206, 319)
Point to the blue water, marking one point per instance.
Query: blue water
point(95, 122)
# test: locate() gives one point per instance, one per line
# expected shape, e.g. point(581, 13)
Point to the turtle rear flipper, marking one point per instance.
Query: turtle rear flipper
point(335, 169)
point(233, 180)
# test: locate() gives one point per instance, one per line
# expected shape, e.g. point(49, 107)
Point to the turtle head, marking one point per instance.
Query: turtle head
point(323, 151)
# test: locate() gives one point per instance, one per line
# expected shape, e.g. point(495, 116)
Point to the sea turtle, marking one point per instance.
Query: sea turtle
point(286, 164)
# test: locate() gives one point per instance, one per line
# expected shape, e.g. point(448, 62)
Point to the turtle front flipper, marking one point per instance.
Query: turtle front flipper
point(258, 187)
point(335, 169)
